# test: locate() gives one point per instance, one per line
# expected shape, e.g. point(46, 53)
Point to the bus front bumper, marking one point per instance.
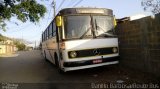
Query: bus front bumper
point(68, 66)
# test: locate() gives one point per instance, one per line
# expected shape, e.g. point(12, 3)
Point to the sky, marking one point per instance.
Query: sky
point(32, 31)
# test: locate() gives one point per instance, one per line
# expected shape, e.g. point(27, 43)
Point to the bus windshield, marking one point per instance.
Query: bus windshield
point(81, 26)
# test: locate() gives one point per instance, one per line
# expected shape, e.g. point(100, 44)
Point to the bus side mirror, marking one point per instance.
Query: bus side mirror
point(58, 21)
point(115, 22)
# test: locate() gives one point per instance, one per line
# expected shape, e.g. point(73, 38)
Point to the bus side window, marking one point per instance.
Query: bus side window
point(50, 30)
point(46, 34)
point(42, 37)
point(54, 29)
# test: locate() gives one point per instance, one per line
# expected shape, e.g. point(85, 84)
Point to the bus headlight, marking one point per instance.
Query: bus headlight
point(73, 54)
point(114, 50)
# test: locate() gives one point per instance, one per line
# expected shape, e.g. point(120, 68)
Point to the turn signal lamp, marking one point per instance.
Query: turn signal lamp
point(62, 45)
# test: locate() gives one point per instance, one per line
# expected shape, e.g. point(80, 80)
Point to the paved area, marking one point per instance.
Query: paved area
point(9, 55)
point(29, 70)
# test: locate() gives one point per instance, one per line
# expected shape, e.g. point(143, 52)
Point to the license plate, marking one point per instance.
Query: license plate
point(97, 61)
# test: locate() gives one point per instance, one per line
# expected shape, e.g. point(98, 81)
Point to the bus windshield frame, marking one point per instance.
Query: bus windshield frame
point(88, 26)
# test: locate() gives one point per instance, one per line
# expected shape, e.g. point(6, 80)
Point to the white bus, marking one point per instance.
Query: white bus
point(80, 38)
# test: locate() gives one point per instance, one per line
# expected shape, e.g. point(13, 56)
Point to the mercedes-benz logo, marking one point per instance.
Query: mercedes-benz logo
point(96, 51)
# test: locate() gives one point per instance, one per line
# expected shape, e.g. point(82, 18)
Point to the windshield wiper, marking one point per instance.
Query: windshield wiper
point(91, 23)
point(85, 33)
point(105, 34)
point(97, 26)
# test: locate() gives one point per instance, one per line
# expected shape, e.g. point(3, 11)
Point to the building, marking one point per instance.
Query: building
point(131, 18)
point(137, 16)
point(7, 47)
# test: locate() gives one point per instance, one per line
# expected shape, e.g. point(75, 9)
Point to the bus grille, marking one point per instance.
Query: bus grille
point(93, 52)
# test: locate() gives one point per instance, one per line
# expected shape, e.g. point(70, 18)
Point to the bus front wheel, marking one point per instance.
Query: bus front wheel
point(57, 64)
point(45, 56)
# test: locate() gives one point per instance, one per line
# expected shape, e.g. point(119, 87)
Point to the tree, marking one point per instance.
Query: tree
point(2, 38)
point(21, 46)
point(22, 9)
point(19, 43)
point(152, 5)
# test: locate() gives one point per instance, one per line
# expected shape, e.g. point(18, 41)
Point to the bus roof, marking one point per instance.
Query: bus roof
point(103, 11)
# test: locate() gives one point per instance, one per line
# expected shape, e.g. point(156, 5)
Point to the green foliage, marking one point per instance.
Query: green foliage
point(2, 24)
point(2, 38)
point(23, 9)
point(21, 46)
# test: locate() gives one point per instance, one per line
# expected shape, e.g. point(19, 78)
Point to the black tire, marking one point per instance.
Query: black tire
point(61, 71)
point(56, 60)
point(45, 56)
